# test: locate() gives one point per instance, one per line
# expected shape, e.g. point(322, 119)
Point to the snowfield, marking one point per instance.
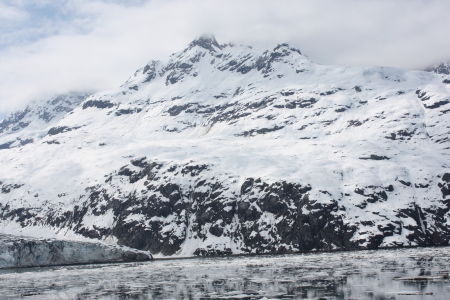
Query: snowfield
point(225, 150)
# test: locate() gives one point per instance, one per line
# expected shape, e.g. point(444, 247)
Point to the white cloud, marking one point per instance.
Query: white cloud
point(10, 13)
point(78, 44)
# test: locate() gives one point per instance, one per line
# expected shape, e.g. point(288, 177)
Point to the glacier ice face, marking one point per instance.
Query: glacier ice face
point(19, 251)
point(222, 149)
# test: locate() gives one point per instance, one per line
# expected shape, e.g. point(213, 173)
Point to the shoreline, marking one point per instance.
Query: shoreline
point(298, 252)
point(23, 269)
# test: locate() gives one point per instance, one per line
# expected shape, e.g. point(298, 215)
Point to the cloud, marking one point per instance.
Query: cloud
point(56, 46)
point(10, 13)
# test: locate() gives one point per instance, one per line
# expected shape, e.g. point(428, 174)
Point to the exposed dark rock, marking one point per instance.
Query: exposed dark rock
point(55, 142)
point(150, 70)
point(375, 157)
point(212, 252)
point(22, 125)
point(177, 109)
point(328, 122)
point(354, 123)
point(373, 193)
point(305, 103)
point(418, 235)
point(264, 62)
point(254, 132)
point(8, 187)
point(437, 104)
point(445, 185)
point(207, 42)
point(300, 103)
point(287, 93)
point(6, 145)
point(98, 104)
point(402, 134)
point(127, 111)
point(25, 142)
point(405, 183)
point(333, 91)
point(175, 76)
point(240, 65)
point(421, 186)
point(60, 129)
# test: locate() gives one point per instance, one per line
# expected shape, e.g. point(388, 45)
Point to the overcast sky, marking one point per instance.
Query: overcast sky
point(54, 46)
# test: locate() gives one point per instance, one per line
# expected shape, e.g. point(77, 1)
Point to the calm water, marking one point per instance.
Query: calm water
point(379, 274)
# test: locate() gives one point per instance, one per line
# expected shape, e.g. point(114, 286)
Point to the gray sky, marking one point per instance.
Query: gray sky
point(54, 46)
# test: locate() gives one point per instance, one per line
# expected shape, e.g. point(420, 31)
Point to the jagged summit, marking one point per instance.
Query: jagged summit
point(442, 68)
point(287, 46)
point(205, 54)
point(206, 41)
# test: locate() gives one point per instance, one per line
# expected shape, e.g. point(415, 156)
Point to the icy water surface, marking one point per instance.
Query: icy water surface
point(385, 274)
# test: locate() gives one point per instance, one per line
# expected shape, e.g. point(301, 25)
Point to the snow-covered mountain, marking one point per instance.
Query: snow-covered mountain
point(222, 149)
point(24, 126)
point(442, 68)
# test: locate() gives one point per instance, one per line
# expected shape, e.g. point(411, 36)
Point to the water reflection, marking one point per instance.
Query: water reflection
point(386, 274)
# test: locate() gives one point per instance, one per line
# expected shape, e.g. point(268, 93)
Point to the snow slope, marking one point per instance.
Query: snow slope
point(224, 150)
point(24, 126)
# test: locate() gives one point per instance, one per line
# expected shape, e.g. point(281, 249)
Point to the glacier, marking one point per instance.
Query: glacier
point(222, 149)
point(20, 251)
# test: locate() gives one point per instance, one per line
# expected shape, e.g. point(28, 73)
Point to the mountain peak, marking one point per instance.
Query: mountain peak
point(442, 68)
point(206, 41)
point(287, 46)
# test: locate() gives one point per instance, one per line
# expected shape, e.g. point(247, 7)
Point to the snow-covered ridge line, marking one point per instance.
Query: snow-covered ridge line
point(225, 150)
point(442, 68)
point(29, 124)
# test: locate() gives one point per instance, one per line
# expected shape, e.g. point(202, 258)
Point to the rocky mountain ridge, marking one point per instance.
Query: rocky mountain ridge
point(22, 127)
point(442, 68)
point(223, 150)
